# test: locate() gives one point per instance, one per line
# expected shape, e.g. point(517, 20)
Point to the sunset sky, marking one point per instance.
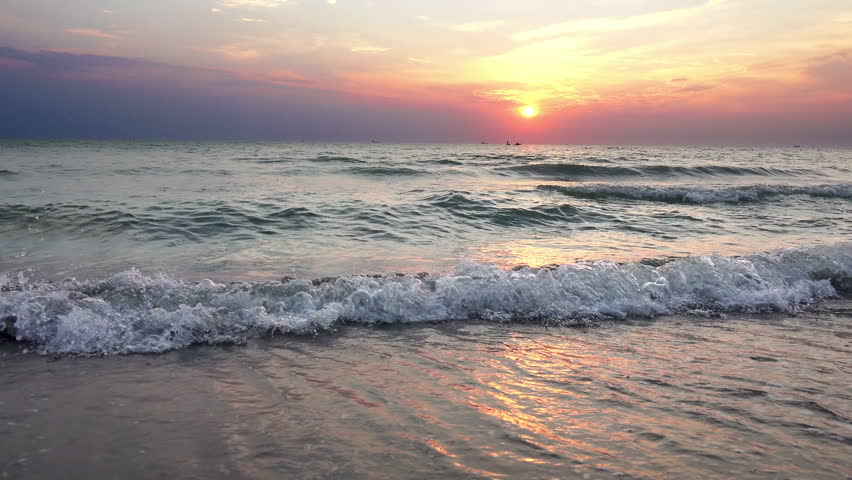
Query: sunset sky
point(609, 71)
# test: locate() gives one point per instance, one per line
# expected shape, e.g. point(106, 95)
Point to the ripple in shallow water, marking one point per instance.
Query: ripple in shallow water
point(676, 398)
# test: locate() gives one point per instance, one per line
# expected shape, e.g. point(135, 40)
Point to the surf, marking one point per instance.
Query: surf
point(135, 312)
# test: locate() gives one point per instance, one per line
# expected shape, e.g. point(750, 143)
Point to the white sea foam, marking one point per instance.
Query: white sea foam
point(132, 312)
point(701, 195)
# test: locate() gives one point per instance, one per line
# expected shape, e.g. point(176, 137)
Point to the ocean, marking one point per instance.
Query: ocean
point(306, 310)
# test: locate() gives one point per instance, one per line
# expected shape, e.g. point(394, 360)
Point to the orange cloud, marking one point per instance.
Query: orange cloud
point(236, 52)
point(90, 32)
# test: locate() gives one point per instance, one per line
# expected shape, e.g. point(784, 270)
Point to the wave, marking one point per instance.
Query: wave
point(189, 221)
point(446, 161)
point(320, 159)
point(570, 170)
point(699, 195)
point(334, 159)
point(8, 173)
point(201, 171)
point(529, 159)
point(492, 213)
point(385, 171)
point(136, 313)
point(205, 220)
point(265, 160)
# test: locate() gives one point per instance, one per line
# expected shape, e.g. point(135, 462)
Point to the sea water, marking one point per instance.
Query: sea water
point(121, 247)
point(497, 311)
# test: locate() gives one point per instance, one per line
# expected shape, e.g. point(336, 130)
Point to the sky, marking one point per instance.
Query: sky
point(604, 72)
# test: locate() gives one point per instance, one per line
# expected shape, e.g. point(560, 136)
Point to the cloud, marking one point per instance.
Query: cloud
point(118, 70)
point(253, 3)
point(555, 97)
point(694, 88)
point(478, 26)
point(271, 45)
point(369, 49)
point(678, 80)
point(419, 61)
point(107, 12)
point(280, 77)
point(236, 52)
point(215, 10)
point(113, 97)
point(255, 20)
point(54, 62)
point(613, 24)
point(12, 63)
point(836, 66)
point(146, 100)
point(91, 32)
point(423, 18)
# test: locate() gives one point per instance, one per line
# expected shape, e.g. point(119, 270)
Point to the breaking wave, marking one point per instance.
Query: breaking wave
point(569, 170)
point(136, 313)
point(699, 195)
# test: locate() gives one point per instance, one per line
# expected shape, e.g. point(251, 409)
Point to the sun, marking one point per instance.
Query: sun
point(529, 111)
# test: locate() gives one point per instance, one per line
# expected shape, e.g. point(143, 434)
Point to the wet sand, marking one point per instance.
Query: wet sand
point(739, 396)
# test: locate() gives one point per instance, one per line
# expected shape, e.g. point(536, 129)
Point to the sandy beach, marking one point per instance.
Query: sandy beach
point(735, 396)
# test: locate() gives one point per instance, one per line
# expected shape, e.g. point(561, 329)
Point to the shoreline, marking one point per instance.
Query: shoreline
point(386, 402)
